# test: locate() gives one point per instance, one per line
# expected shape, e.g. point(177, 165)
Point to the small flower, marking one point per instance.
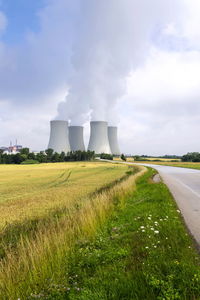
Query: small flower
point(143, 230)
point(155, 246)
point(142, 227)
point(147, 247)
point(156, 231)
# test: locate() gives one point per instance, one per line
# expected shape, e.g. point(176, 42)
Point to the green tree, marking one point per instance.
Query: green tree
point(25, 151)
point(62, 156)
point(49, 153)
point(123, 157)
point(31, 155)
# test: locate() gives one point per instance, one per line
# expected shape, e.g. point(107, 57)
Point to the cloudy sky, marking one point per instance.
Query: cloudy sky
point(134, 63)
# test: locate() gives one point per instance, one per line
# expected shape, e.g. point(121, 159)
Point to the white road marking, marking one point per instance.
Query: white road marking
point(187, 187)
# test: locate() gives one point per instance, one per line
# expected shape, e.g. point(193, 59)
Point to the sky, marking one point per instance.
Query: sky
point(133, 63)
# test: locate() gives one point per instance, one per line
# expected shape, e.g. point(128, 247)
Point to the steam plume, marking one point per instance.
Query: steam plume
point(111, 39)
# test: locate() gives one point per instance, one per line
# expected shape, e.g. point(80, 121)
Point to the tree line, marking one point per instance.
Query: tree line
point(47, 156)
point(191, 157)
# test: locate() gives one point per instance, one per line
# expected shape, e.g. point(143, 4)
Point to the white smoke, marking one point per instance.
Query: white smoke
point(111, 38)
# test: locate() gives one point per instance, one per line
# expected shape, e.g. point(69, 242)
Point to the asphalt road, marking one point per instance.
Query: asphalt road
point(184, 185)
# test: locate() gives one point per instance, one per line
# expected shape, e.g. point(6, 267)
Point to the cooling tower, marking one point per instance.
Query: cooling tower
point(113, 140)
point(59, 137)
point(76, 138)
point(99, 142)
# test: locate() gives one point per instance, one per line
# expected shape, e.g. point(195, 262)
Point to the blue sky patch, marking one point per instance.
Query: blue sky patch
point(22, 17)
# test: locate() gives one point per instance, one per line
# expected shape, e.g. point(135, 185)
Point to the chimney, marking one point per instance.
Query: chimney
point(59, 137)
point(99, 142)
point(76, 138)
point(113, 140)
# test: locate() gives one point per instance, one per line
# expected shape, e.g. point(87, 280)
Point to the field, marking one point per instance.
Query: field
point(189, 165)
point(92, 231)
point(37, 202)
point(166, 162)
point(35, 191)
point(154, 158)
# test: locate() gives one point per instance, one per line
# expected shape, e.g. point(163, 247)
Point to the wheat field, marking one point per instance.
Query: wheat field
point(44, 210)
point(34, 191)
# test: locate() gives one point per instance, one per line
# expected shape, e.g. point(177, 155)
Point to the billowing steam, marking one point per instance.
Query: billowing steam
point(111, 38)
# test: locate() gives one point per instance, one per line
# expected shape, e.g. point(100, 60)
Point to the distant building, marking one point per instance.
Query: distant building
point(11, 149)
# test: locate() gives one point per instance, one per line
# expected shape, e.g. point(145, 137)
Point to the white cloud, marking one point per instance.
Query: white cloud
point(162, 112)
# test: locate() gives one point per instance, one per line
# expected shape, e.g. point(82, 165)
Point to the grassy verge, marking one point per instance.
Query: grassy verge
point(44, 257)
point(143, 251)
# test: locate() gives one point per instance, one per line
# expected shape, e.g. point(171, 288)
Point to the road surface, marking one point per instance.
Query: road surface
point(184, 185)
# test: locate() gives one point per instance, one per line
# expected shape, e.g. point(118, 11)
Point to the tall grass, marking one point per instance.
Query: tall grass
point(35, 261)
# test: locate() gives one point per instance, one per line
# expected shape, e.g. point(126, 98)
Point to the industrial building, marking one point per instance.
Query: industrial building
point(59, 136)
point(113, 140)
point(99, 142)
point(76, 139)
point(64, 138)
point(12, 149)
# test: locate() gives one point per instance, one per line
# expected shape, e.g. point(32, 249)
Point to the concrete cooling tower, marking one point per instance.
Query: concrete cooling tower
point(59, 137)
point(99, 142)
point(113, 140)
point(76, 138)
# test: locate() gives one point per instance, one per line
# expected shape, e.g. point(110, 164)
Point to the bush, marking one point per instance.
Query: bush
point(106, 156)
point(123, 157)
point(30, 162)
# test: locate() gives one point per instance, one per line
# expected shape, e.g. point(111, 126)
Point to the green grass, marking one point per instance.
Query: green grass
point(142, 251)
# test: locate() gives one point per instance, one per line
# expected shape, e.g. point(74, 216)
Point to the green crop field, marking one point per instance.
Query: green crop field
point(92, 231)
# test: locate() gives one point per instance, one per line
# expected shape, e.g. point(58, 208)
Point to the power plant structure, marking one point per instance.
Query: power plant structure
point(76, 139)
point(113, 140)
point(103, 138)
point(99, 142)
point(59, 137)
